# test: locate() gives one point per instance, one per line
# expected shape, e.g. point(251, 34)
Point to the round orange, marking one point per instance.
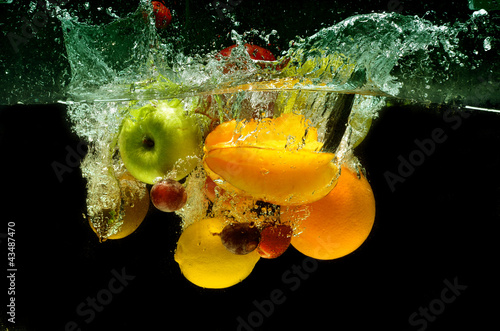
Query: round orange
point(337, 224)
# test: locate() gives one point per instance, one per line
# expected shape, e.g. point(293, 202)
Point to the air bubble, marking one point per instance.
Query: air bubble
point(109, 11)
point(487, 43)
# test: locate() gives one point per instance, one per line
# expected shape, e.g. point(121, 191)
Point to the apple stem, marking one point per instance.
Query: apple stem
point(148, 142)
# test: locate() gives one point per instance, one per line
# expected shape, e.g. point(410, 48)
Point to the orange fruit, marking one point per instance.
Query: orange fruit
point(337, 224)
point(204, 260)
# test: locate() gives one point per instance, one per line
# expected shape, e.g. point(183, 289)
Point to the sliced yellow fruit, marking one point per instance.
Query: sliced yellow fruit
point(204, 260)
point(274, 160)
point(289, 131)
point(277, 176)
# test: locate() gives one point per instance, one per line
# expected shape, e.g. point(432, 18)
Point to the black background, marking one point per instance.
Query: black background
point(439, 224)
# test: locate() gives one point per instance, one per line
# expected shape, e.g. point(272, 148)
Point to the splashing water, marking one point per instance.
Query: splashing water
point(403, 56)
point(384, 54)
point(339, 78)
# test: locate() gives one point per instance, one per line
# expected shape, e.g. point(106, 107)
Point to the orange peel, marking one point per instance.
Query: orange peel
point(338, 224)
point(275, 160)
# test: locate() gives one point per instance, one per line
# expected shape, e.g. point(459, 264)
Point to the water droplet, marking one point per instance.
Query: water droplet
point(109, 11)
point(32, 7)
point(487, 43)
point(480, 12)
point(219, 181)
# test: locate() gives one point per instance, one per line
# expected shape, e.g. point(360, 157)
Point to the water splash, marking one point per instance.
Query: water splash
point(339, 78)
point(382, 54)
point(402, 56)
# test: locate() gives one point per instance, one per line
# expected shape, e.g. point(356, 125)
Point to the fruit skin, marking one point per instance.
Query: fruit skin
point(135, 206)
point(274, 240)
point(340, 222)
point(278, 177)
point(168, 195)
point(204, 260)
point(246, 108)
point(255, 52)
point(154, 138)
point(240, 238)
point(260, 159)
point(210, 188)
point(162, 15)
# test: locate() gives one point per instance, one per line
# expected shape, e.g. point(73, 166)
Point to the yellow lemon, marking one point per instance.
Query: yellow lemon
point(204, 260)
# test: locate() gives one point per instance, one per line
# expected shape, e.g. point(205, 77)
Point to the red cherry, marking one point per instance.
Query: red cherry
point(274, 240)
point(162, 15)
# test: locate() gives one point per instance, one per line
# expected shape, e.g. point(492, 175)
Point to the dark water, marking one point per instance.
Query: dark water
point(434, 226)
point(437, 224)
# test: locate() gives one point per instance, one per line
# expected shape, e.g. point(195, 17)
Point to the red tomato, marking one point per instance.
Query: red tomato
point(162, 15)
point(255, 52)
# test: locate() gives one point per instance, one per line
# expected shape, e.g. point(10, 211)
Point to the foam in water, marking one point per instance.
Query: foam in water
point(403, 56)
point(98, 125)
point(385, 54)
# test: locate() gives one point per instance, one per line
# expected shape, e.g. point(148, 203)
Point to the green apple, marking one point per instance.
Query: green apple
point(158, 138)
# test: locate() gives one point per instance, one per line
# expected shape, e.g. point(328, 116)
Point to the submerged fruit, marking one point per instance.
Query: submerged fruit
point(274, 241)
point(205, 261)
point(158, 139)
point(168, 195)
point(340, 222)
point(273, 160)
point(240, 238)
point(134, 205)
point(255, 52)
point(211, 189)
